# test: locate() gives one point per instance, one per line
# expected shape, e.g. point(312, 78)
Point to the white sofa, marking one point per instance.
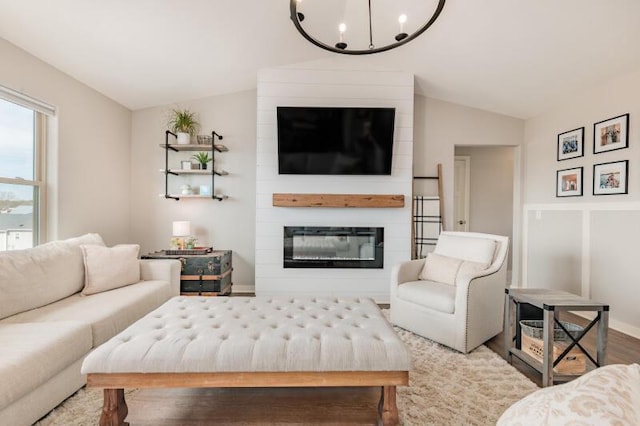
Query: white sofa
point(47, 326)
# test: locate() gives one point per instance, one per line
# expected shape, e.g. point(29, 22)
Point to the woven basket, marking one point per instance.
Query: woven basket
point(534, 328)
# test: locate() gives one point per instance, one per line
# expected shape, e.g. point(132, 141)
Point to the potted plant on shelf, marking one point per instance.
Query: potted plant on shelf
point(202, 158)
point(184, 124)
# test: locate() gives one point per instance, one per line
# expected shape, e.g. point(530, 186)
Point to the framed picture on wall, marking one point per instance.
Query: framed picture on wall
point(610, 178)
point(571, 144)
point(611, 134)
point(569, 182)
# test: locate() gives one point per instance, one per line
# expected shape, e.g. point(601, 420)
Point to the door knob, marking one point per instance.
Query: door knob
point(462, 222)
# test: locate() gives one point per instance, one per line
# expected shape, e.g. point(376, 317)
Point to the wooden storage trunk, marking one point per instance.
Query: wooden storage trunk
point(573, 363)
point(207, 275)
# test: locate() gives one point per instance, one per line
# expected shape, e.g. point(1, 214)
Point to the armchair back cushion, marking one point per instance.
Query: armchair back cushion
point(59, 274)
point(480, 250)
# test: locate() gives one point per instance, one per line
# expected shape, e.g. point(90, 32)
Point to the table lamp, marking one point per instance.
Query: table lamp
point(181, 229)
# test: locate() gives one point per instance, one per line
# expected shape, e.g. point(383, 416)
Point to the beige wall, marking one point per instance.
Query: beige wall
point(89, 150)
point(228, 224)
point(603, 231)
point(600, 102)
point(491, 192)
point(440, 126)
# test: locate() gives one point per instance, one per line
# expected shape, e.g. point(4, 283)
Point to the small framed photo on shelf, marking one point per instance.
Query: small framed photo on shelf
point(571, 144)
point(611, 134)
point(569, 182)
point(186, 165)
point(610, 178)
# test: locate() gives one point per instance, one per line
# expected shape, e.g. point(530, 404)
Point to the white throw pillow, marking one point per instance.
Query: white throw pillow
point(605, 396)
point(107, 268)
point(446, 270)
point(441, 269)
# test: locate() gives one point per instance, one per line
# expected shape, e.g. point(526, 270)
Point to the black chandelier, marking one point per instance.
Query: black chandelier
point(342, 47)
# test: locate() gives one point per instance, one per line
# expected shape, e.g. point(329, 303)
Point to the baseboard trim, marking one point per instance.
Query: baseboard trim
point(242, 289)
point(620, 326)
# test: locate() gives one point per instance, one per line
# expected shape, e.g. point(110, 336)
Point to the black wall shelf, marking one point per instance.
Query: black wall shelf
point(177, 172)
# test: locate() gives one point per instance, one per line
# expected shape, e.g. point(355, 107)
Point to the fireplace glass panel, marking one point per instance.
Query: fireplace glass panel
point(333, 247)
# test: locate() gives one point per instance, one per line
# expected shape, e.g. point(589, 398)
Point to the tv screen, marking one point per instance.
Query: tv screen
point(335, 141)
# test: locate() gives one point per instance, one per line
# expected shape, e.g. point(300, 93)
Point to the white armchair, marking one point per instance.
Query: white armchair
point(458, 299)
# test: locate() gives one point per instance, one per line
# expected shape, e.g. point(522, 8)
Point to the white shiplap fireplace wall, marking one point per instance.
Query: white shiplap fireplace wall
point(322, 87)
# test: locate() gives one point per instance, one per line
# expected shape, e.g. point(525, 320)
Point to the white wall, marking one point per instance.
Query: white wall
point(598, 243)
point(330, 87)
point(227, 224)
point(440, 126)
point(88, 152)
point(491, 190)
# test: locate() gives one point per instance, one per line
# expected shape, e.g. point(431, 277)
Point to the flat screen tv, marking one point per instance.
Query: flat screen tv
point(335, 141)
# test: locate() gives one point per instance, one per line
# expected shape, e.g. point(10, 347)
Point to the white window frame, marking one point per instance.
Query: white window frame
point(42, 111)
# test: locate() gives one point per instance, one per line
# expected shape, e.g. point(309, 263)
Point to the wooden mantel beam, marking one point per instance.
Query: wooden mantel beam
point(339, 200)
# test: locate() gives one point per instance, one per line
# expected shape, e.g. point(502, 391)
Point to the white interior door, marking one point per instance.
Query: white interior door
point(461, 183)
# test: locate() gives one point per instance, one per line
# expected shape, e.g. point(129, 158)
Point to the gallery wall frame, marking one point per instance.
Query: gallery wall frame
point(611, 134)
point(571, 144)
point(569, 182)
point(611, 178)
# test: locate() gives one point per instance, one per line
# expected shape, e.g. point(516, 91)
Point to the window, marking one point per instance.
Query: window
point(22, 189)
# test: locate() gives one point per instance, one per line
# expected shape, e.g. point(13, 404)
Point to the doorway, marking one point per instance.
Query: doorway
point(484, 191)
point(461, 193)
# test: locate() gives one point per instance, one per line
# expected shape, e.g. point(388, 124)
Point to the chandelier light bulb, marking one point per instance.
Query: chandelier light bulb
point(402, 19)
point(300, 15)
point(341, 44)
point(402, 35)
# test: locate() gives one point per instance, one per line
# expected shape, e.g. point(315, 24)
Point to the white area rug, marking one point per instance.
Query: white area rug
point(446, 388)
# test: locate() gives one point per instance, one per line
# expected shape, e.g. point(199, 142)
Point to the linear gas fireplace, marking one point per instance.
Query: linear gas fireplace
point(333, 247)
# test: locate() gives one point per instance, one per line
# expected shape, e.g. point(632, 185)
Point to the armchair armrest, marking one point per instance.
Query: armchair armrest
point(163, 270)
point(480, 300)
point(404, 272)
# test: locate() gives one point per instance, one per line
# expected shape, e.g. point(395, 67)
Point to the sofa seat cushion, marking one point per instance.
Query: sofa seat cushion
point(33, 353)
point(608, 395)
point(41, 275)
point(430, 294)
point(108, 313)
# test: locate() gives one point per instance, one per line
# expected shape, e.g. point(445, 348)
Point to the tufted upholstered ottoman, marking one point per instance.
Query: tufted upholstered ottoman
point(252, 342)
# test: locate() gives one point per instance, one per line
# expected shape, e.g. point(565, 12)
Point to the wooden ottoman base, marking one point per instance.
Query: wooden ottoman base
point(114, 409)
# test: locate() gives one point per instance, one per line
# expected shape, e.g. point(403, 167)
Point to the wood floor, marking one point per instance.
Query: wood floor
point(247, 406)
point(621, 348)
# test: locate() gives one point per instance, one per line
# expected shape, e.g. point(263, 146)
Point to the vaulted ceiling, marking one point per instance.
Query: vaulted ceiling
point(515, 57)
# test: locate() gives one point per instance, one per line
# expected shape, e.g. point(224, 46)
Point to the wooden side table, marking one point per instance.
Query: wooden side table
point(551, 302)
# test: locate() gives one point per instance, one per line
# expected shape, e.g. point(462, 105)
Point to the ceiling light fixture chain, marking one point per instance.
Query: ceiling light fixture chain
point(371, 46)
point(341, 46)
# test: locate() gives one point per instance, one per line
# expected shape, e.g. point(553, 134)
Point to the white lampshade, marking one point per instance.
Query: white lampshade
point(181, 228)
